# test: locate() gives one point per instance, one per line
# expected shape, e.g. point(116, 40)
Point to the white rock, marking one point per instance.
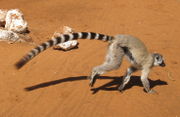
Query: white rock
point(67, 30)
point(3, 15)
point(8, 36)
point(15, 21)
point(69, 44)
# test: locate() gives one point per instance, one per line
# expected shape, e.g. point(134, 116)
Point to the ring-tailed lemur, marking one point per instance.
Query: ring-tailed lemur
point(119, 46)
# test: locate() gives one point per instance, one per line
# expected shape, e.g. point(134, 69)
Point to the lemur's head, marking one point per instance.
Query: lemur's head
point(158, 60)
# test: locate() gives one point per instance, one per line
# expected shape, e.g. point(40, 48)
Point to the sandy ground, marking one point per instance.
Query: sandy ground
point(56, 80)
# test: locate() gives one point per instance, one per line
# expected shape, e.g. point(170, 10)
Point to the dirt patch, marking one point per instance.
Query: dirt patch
point(54, 83)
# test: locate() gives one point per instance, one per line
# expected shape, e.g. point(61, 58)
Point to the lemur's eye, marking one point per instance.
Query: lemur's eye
point(157, 57)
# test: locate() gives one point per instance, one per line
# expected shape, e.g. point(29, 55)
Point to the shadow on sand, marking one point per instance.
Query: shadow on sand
point(110, 86)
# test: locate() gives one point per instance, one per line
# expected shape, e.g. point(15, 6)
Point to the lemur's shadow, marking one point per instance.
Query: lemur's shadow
point(110, 86)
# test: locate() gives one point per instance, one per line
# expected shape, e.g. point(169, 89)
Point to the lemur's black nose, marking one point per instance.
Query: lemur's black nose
point(163, 64)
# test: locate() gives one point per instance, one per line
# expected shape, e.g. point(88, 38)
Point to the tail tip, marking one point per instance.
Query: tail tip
point(20, 64)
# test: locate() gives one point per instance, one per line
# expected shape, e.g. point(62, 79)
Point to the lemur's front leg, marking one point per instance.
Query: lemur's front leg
point(145, 81)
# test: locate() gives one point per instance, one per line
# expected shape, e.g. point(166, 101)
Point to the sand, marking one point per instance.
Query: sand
point(54, 83)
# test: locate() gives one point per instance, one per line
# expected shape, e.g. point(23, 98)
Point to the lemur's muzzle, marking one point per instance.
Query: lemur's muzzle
point(163, 64)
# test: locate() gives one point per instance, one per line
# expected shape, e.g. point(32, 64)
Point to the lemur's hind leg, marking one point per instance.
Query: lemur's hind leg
point(112, 61)
point(127, 77)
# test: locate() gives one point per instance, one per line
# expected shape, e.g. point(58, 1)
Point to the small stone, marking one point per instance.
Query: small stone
point(3, 15)
point(15, 21)
point(6, 35)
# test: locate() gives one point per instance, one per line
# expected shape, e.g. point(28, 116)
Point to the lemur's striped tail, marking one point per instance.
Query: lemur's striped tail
point(60, 39)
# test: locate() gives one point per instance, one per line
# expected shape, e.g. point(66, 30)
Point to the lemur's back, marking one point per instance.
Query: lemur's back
point(134, 45)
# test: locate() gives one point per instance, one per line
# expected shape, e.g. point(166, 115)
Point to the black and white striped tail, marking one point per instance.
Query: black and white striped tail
point(60, 39)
